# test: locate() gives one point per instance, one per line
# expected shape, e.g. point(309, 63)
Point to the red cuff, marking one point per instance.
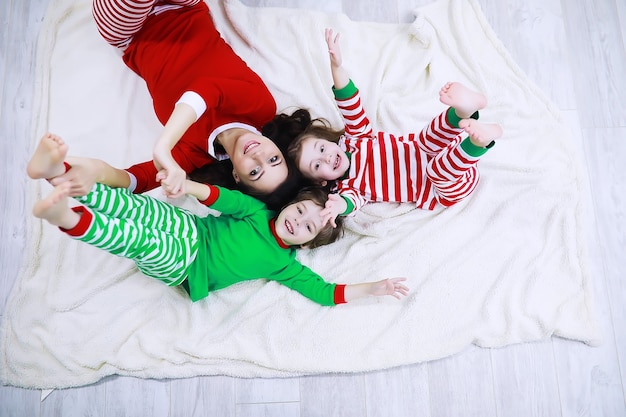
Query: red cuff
point(340, 290)
point(83, 224)
point(214, 194)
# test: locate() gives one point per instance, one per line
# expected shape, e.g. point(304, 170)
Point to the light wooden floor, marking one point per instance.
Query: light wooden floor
point(574, 50)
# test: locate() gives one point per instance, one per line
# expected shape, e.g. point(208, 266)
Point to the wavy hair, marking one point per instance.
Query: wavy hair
point(319, 128)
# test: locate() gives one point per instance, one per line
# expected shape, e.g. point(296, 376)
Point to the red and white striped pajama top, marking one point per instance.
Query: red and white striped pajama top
point(425, 168)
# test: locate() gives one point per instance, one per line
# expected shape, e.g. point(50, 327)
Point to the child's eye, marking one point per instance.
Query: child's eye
point(273, 159)
point(254, 172)
point(322, 148)
point(309, 228)
point(316, 166)
point(299, 210)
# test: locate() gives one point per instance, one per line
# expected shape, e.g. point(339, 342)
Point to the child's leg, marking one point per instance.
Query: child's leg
point(158, 254)
point(119, 20)
point(152, 213)
point(453, 171)
point(159, 237)
point(443, 129)
point(47, 162)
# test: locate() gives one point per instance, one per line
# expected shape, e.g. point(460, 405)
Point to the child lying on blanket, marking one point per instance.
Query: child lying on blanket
point(436, 166)
point(203, 253)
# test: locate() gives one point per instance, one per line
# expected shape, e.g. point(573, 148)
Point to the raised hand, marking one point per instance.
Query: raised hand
point(340, 76)
point(332, 40)
point(335, 205)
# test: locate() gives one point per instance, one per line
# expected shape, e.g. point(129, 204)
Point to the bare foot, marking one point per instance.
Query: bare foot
point(481, 134)
point(55, 210)
point(47, 160)
point(464, 101)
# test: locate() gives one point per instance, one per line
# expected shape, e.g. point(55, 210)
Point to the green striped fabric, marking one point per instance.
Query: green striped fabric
point(160, 238)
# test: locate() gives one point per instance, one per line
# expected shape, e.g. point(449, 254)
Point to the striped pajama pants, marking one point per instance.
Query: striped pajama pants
point(453, 171)
point(119, 20)
point(160, 238)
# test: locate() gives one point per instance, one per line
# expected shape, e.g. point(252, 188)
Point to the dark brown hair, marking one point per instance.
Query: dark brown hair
point(281, 130)
point(319, 128)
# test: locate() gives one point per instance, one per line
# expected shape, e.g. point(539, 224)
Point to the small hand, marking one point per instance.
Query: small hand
point(171, 176)
point(332, 41)
point(164, 178)
point(174, 183)
point(391, 286)
point(335, 205)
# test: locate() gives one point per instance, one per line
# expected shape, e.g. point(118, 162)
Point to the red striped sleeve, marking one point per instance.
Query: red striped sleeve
point(371, 171)
point(384, 176)
point(396, 170)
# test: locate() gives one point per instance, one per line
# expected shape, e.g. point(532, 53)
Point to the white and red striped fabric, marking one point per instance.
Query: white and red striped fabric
point(427, 169)
point(119, 20)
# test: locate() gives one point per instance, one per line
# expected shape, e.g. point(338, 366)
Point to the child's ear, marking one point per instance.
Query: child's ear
point(323, 183)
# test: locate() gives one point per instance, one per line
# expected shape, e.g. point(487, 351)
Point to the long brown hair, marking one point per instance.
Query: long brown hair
point(281, 130)
point(319, 128)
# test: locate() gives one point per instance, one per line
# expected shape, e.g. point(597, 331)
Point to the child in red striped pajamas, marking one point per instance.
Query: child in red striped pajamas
point(436, 166)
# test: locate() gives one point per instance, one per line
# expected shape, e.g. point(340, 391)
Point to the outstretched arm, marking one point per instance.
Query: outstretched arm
point(180, 120)
point(390, 286)
point(346, 94)
point(340, 75)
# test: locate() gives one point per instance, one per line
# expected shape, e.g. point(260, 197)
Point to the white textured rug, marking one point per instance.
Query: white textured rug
point(508, 265)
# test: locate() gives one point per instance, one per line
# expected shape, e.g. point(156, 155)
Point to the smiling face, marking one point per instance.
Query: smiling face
point(322, 160)
point(299, 223)
point(258, 163)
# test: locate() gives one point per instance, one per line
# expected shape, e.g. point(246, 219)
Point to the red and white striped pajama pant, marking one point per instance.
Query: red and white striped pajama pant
point(119, 20)
point(453, 171)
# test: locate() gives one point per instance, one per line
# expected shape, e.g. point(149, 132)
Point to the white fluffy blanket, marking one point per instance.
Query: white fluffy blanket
point(507, 265)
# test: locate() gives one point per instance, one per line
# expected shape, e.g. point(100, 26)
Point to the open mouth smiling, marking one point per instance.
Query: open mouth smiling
point(289, 227)
point(250, 145)
point(337, 162)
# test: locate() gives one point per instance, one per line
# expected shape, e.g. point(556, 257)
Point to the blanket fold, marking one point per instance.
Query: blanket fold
point(507, 265)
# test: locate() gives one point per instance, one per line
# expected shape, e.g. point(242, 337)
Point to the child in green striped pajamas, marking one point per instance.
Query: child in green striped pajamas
point(247, 241)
